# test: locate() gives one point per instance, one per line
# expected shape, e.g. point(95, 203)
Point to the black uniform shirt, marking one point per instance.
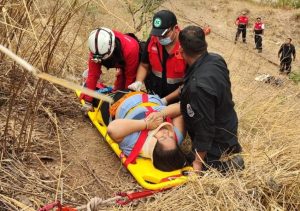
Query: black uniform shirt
point(287, 50)
point(207, 106)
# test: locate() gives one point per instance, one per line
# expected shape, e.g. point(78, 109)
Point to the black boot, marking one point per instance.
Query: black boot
point(235, 163)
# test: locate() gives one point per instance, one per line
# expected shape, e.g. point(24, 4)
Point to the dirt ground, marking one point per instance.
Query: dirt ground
point(90, 167)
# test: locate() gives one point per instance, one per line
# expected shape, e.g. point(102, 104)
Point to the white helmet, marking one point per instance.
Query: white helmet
point(101, 43)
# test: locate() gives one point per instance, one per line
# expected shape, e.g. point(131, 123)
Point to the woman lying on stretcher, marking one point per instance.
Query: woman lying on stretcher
point(163, 138)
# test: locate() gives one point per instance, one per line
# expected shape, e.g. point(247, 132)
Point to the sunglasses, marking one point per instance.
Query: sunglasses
point(166, 32)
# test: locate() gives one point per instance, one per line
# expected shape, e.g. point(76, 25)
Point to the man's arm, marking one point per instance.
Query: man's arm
point(173, 96)
point(144, 66)
point(198, 162)
point(130, 70)
point(237, 21)
point(280, 50)
point(294, 52)
point(142, 72)
point(93, 76)
point(203, 124)
point(143, 69)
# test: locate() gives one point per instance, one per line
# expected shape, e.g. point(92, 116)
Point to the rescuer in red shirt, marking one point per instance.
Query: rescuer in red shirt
point(111, 49)
point(258, 30)
point(162, 68)
point(242, 23)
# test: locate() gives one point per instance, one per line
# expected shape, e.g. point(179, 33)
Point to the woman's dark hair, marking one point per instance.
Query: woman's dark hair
point(192, 40)
point(168, 160)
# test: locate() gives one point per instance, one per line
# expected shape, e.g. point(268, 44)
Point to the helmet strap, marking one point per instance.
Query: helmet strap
point(96, 41)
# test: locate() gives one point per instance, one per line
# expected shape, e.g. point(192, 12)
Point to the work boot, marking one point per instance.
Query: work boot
point(236, 162)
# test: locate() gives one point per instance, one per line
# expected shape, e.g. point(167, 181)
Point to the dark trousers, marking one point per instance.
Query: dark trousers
point(285, 64)
point(240, 30)
point(105, 105)
point(258, 41)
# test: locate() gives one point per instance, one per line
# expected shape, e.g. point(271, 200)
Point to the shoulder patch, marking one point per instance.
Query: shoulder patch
point(189, 110)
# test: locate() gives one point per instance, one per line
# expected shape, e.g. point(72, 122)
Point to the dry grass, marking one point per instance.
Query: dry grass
point(52, 37)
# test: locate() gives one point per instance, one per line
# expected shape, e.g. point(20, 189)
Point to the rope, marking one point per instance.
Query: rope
point(53, 79)
point(96, 201)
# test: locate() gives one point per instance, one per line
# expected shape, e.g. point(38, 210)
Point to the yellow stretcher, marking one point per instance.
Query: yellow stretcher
point(142, 170)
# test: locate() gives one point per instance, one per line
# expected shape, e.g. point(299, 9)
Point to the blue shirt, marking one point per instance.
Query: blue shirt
point(139, 113)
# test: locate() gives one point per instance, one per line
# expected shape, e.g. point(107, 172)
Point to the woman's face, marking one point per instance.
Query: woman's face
point(166, 137)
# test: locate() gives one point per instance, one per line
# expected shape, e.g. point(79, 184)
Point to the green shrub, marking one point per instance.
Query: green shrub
point(295, 76)
point(282, 3)
point(290, 3)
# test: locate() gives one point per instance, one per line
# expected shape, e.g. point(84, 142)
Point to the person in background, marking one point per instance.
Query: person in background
point(162, 68)
point(258, 30)
point(242, 23)
point(285, 53)
point(111, 49)
point(206, 105)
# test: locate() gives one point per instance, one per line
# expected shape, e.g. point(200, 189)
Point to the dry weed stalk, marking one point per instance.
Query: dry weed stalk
point(270, 136)
point(28, 45)
point(141, 12)
point(22, 96)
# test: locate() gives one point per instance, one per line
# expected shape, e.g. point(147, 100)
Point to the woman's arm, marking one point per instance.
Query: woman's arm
point(178, 122)
point(173, 96)
point(120, 128)
point(172, 110)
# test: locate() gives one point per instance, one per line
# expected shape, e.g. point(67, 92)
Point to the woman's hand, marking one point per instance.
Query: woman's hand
point(153, 120)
